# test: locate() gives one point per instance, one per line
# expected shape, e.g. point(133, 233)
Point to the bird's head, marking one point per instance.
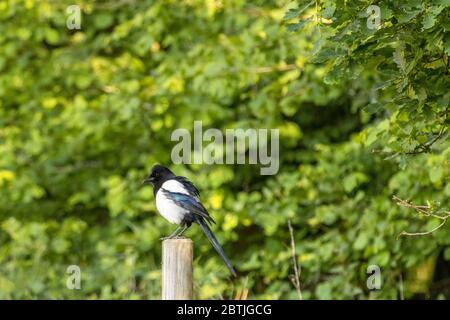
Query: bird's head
point(157, 174)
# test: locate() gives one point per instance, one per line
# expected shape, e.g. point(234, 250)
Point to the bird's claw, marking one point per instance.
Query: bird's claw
point(173, 237)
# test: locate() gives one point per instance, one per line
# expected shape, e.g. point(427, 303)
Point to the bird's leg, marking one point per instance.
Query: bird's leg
point(186, 226)
point(173, 234)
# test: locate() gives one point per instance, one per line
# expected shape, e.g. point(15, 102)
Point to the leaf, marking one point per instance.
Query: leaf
point(430, 17)
point(292, 27)
point(329, 54)
point(399, 57)
point(293, 13)
point(373, 108)
point(51, 36)
point(383, 258)
point(447, 254)
point(361, 241)
point(329, 7)
point(436, 174)
point(103, 21)
point(447, 45)
point(324, 291)
point(408, 11)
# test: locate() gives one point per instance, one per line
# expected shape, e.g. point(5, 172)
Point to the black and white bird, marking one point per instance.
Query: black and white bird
point(177, 200)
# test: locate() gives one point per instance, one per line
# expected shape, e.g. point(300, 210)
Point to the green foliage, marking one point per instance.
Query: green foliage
point(85, 113)
point(399, 69)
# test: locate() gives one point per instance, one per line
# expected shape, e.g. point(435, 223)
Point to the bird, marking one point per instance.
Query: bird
point(178, 201)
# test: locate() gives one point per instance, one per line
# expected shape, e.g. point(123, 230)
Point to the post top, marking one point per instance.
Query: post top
point(174, 240)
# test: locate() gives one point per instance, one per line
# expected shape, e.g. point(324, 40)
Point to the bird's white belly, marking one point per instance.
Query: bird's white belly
point(168, 209)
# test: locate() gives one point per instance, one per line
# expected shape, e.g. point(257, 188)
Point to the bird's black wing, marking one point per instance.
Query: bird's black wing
point(189, 186)
point(189, 203)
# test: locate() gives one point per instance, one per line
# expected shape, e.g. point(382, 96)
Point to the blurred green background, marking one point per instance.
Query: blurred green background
point(85, 113)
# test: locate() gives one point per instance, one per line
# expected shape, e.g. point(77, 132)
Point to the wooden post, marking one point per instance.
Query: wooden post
point(177, 281)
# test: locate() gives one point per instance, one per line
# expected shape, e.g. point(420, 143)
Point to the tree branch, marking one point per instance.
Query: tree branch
point(425, 210)
point(297, 269)
point(426, 147)
point(423, 148)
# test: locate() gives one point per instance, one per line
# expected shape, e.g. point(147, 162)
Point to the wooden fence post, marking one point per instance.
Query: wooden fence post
point(177, 281)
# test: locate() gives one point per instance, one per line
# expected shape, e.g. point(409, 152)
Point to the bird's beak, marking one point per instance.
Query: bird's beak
point(147, 180)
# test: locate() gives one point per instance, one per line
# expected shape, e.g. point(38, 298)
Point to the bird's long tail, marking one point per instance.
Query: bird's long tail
point(215, 244)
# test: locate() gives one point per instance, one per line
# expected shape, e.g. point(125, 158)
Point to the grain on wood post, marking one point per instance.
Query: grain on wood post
point(177, 281)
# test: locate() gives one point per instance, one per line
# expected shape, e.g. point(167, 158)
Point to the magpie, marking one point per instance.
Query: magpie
point(178, 201)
